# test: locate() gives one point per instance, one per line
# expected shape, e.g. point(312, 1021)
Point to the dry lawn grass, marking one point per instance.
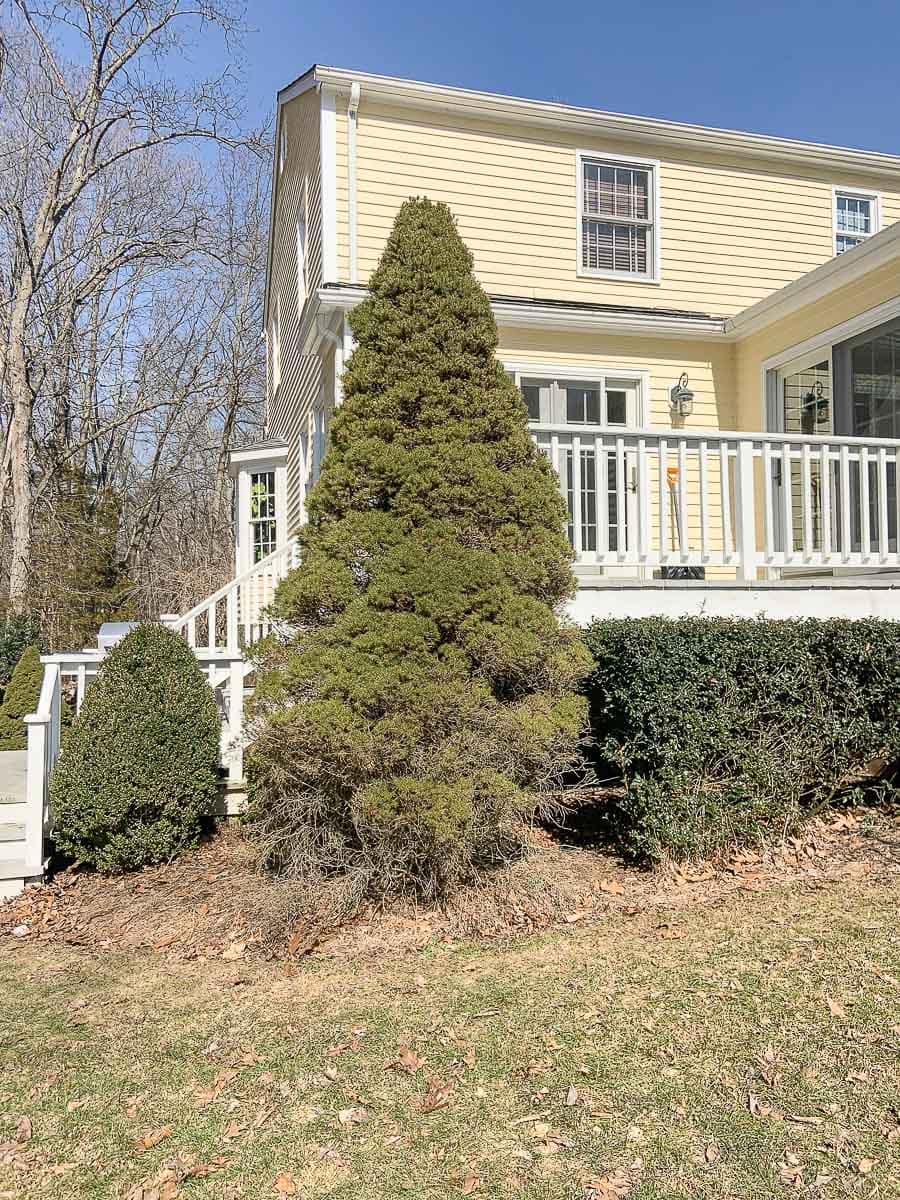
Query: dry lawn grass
point(735, 1036)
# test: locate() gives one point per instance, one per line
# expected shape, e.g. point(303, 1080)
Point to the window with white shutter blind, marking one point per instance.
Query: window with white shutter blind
point(617, 219)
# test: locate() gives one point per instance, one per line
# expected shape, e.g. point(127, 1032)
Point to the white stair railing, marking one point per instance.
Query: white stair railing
point(741, 501)
point(236, 615)
point(43, 730)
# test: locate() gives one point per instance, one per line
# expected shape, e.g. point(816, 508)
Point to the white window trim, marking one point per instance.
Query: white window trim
point(301, 261)
point(282, 148)
point(246, 464)
point(622, 160)
point(854, 193)
point(275, 338)
point(587, 373)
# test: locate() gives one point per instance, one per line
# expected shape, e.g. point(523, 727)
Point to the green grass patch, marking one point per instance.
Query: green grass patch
point(733, 1052)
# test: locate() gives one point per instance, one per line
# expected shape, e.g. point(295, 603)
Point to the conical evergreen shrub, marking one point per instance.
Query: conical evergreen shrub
point(425, 698)
point(20, 699)
point(138, 776)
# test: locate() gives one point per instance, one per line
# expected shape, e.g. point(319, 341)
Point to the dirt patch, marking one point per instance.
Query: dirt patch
point(213, 903)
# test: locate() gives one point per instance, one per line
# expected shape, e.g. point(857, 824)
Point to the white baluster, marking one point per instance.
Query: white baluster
point(768, 517)
point(806, 491)
point(787, 503)
point(601, 473)
point(725, 475)
point(681, 495)
point(883, 539)
point(643, 495)
point(621, 511)
point(825, 489)
point(865, 519)
point(576, 498)
point(703, 472)
point(744, 487)
point(663, 501)
point(845, 490)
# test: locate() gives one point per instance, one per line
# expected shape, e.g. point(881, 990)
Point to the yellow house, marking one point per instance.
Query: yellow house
point(705, 326)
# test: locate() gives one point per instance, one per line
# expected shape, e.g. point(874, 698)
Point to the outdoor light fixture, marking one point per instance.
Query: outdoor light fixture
point(681, 398)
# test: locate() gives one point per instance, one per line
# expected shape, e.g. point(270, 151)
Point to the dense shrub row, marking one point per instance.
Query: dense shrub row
point(729, 731)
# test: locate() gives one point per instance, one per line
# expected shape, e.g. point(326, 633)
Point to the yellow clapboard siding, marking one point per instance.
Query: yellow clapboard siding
point(731, 232)
point(298, 193)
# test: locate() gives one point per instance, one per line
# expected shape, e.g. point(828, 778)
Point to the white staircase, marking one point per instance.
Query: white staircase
point(15, 867)
point(237, 614)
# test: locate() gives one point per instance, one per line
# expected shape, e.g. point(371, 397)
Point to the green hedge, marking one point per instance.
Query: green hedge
point(138, 775)
point(729, 732)
point(18, 631)
point(20, 699)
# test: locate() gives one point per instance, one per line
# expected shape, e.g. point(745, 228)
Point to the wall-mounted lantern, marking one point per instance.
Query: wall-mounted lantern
point(681, 398)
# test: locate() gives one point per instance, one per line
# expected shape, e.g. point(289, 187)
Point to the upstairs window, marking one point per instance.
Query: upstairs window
point(262, 514)
point(618, 220)
point(855, 218)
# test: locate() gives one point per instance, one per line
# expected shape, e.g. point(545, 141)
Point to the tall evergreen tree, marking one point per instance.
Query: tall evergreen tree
point(425, 697)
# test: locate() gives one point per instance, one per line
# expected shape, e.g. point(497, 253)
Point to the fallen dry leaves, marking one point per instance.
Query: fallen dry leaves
point(407, 1060)
point(153, 1138)
point(439, 1094)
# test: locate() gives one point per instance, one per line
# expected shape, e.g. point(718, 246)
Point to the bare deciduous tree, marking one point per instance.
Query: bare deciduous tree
point(96, 202)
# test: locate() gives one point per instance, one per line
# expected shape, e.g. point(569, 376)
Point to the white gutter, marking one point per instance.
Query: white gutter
point(352, 116)
point(597, 123)
point(879, 250)
point(515, 314)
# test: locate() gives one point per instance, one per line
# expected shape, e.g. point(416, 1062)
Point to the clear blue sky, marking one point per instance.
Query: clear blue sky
point(814, 69)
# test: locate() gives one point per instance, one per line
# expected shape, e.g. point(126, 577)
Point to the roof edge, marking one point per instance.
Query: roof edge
point(577, 118)
point(875, 252)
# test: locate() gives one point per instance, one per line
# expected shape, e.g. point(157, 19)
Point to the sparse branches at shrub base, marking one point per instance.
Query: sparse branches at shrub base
point(138, 776)
point(734, 731)
point(427, 698)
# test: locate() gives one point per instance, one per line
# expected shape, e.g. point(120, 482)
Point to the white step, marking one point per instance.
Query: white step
point(12, 831)
point(18, 868)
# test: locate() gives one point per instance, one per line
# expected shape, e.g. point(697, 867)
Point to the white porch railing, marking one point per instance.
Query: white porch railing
point(236, 615)
point(745, 501)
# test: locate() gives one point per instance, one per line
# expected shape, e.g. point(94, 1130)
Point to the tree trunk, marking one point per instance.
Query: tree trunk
point(19, 453)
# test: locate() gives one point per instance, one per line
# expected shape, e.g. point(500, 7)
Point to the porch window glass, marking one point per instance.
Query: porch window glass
point(617, 218)
point(875, 371)
point(582, 404)
point(806, 399)
point(262, 514)
point(854, 220)
point(579, 410)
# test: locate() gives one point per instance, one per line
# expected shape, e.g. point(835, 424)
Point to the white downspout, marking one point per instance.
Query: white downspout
point(352, 116)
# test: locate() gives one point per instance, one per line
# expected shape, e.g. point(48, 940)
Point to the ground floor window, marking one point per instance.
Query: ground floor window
point(574, 420)
point(263, 525)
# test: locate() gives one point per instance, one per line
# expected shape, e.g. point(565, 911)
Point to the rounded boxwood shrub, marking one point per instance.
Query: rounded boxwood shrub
point(138, 777)
point(20, 699)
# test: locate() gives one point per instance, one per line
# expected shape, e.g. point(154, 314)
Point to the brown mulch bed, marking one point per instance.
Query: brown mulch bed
point(213, 903)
